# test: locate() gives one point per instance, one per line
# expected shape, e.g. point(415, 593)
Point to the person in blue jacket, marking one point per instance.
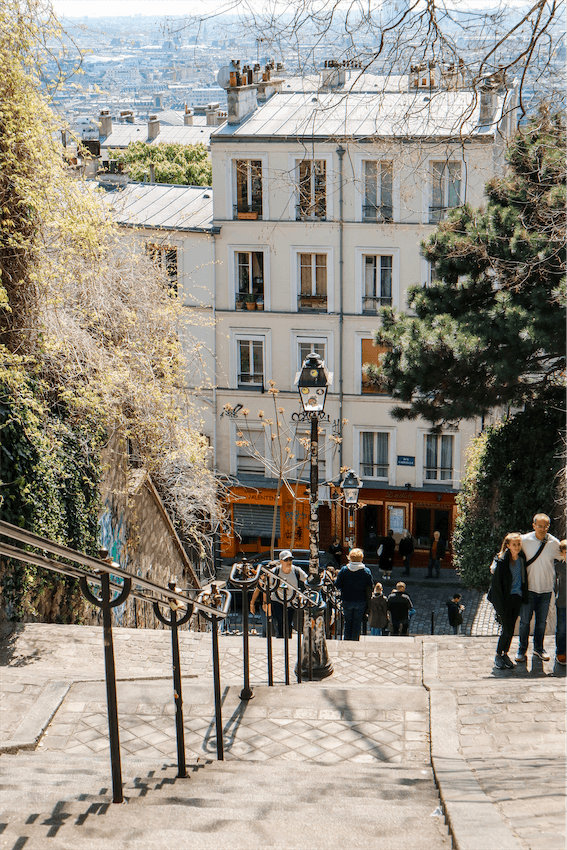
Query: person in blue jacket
point(355, 584)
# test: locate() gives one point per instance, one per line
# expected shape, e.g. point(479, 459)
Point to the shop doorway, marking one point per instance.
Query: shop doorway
point(428, 520)
point(372, 529)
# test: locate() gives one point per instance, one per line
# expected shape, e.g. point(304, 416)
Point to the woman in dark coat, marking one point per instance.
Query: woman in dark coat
point(386, 557)
point(509, 589)
point(378, 612)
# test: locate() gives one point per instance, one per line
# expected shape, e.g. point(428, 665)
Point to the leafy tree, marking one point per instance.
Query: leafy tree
point(514, 470)
point(173, 163)
point(89, 337)
point(490, 331)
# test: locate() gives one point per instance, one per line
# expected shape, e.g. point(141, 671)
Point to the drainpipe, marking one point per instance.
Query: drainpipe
point(341, 153)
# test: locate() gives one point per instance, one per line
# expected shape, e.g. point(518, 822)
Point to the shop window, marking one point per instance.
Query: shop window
point(429, 520)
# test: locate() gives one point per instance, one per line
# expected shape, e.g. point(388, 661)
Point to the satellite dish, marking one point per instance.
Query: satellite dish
point(223, 76)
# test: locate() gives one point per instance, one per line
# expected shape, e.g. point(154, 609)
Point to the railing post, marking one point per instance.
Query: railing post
point(245, 576)
point(106, 603)
point(174, 624)
point(433, 622)
point(213, 597)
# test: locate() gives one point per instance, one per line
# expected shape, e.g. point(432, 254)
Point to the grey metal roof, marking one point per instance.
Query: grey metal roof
point(422, 114)
point(355, 80)
point(159, 205)
point(122, 135)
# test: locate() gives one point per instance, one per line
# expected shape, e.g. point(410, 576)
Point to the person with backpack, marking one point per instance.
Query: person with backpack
point(455, 612)
point(293, 576)
point(399, 607)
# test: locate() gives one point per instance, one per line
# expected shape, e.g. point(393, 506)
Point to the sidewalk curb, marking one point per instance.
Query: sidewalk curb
point(472, 818)
point(37, 718)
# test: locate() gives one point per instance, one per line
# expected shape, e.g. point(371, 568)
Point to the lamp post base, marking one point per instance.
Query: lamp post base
point(314, 654)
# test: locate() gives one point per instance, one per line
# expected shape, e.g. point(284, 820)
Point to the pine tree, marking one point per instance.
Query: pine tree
point(490, 331)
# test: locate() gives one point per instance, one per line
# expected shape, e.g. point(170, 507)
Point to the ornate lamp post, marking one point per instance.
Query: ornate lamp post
point(350, 485)
point(313, 382)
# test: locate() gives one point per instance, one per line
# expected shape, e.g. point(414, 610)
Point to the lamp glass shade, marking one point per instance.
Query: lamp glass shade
point(312, 382)
point(351, 495)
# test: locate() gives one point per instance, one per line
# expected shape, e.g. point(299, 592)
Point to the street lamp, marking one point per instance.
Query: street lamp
point(313, 381)
point(350, 485)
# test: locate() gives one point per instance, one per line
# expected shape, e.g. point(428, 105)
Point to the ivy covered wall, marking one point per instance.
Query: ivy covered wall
point(514, 470)
point(50, 484)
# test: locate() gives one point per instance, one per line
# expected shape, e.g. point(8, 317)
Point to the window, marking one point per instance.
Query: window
point(305, 349)
point(250, 447)
point(370, 353)
point(374, 449)
point(250, 363)
point(313, 281)
point(377, 178)
point(248, 189)
point(165, 258)
point(250, 273)
point(438, 457)
point(312, 190)
point(377, 282)
point(445, 189)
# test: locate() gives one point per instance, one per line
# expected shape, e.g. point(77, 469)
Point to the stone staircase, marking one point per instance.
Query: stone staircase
point(60, 801)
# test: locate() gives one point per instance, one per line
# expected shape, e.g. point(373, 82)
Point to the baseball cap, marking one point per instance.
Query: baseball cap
point(285, 555)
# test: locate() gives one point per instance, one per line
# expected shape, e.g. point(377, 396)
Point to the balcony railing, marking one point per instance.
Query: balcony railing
point(310, 213)
point(371, 304)
point(313, 303)
point(372, 212)
point(247, 211)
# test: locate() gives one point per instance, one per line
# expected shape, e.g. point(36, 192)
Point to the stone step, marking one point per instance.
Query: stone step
point(65, 802)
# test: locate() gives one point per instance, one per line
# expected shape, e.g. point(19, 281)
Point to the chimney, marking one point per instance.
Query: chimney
point(489, 88)
point(423, 75)
point(127, 115)
point(188, 117)
point(153, 128)
point(211, 114)
point(105, 123)
point(152, 173)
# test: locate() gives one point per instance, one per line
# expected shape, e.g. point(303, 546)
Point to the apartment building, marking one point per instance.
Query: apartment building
point(323, 190)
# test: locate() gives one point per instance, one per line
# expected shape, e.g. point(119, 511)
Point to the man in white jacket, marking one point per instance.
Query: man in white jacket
point(540, 549)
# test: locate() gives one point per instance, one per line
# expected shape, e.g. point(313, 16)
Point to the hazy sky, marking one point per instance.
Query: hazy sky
point(104, 8)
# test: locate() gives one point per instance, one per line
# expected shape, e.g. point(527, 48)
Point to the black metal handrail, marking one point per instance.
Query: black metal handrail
point(212, 602)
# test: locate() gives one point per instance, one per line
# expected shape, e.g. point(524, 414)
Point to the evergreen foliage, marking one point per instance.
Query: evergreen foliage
point(513, 470)
point(174, 163)
point(490, 331)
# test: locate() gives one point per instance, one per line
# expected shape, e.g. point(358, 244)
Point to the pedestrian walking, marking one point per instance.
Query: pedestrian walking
point(541, 550)
point(399, 606)
point(355, 584)
point(560, 604)
point(378, 611)
point(406, 549)
point(386, 554)
point(455, 612)
point(436, 555)
point(508, 592)
point(293, 576)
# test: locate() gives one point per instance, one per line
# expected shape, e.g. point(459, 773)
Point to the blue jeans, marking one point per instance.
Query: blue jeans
point(433, 563)
point(407, 561)
point(353, 615)
point(539, 605)
point(377, 632)
point(560, 632)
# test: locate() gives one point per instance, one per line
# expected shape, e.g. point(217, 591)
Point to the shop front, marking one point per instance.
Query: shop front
point(421, 512)
point(251, 520)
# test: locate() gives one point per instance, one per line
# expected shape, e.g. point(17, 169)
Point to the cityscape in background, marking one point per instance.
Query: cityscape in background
point(142, 65)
